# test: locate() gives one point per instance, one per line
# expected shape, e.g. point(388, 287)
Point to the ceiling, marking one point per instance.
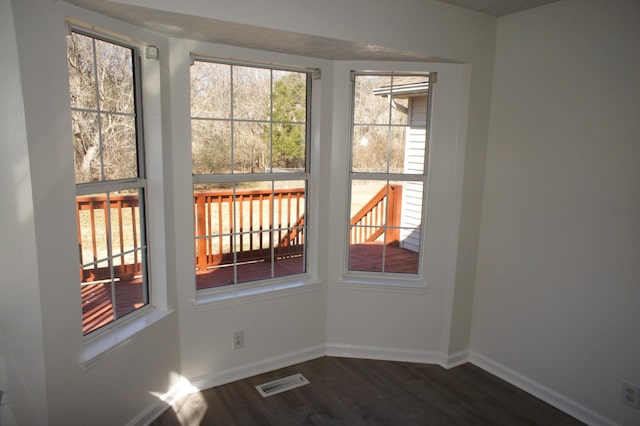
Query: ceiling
point(498, 7)
point(216, 31)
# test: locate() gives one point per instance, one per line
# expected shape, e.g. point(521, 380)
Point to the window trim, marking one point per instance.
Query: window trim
point(229, 293)
point(391, 280)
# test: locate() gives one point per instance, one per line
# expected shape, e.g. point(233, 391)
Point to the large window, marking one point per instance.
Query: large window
point(110, 179)
point(388, 172)
point(249, 138)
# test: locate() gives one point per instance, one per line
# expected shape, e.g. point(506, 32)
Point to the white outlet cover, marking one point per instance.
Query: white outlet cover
point(238, 340)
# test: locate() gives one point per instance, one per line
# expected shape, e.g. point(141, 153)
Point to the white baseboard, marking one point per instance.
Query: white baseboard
point(455, 359)
point(540, 391)
point(386, 354)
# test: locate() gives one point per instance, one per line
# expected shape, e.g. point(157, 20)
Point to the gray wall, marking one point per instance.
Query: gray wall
point(557, 294)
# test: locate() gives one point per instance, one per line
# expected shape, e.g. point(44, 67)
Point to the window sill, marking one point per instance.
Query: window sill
point(226, 296)
point(384, 284)
point(104, 344)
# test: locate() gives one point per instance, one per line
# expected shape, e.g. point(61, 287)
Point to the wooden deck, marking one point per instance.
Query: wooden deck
point(368, 258)
point(97, 306)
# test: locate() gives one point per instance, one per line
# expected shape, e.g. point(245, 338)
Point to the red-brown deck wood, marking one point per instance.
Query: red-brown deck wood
point(369, 258)
point(97, 307)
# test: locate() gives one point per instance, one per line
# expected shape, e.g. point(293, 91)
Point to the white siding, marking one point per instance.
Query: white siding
point(414, 161)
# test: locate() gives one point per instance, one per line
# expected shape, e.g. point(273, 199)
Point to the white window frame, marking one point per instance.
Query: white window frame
point(138, 183)
point(288, 282)
point(411, 279)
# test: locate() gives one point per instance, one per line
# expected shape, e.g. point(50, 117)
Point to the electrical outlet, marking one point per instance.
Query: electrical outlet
point(238, 340)
point(631, 395)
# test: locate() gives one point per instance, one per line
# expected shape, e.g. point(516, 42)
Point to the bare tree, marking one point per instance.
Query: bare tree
point(378, 133)
point(103, 109)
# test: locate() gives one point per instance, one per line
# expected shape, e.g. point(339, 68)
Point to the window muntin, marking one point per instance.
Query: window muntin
point(109, 176)
point(388, 172)
point(249, 138)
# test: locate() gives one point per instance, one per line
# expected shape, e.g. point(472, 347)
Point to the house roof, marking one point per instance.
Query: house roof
point(405, 86)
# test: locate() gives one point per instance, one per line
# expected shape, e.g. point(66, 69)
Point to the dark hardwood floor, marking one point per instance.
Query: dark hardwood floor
point(346, 391)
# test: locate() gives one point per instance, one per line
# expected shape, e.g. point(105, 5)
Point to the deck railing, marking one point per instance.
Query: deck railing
point(260, 221)
point(95, 217)
point(381, 214)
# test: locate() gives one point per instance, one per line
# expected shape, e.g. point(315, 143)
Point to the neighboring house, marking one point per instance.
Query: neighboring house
point(415, 89)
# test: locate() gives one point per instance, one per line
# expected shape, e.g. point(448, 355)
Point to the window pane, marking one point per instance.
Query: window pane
point(86, 146)
point(289, 208)
point(415, 151)
point(367, 195)
point(210, 90)
point(251, 93)
point(366, 257)
point(253, 210)
point(82, 78)
point(404, 257)
point(370, 107)
point(250, 147)
point(370, 149)
point(399, 110)
point(112, 256)
point(397, 138)
point(119, 156)
point(289, 143)
point(254, 265)
point(290, 259)
point(375, 212)
point(211, 146)
point(115, 77)
point(289, 96)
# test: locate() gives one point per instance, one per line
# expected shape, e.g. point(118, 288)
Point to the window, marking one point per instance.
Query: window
point(249, 138)
point(110, 178)
point(388, 171)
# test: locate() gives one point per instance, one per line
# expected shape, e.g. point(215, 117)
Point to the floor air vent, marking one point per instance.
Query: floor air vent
point(281, 385)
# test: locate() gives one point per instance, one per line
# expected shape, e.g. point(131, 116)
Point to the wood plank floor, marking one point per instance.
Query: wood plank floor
point(345, 391)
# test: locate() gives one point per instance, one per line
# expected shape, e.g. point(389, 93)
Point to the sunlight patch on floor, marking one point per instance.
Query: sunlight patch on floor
point(185, 400)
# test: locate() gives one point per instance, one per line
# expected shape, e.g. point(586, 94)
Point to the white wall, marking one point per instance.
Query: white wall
point(21, 348)
point(40, 305)
point(557, 293)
